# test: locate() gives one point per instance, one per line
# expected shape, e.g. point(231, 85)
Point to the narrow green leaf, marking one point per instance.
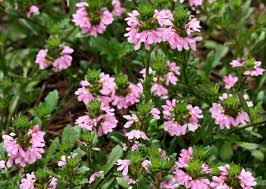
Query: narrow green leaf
point(248, 146)
point(115, 154)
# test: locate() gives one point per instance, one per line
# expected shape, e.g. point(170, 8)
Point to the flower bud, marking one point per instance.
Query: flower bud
point(21, 124)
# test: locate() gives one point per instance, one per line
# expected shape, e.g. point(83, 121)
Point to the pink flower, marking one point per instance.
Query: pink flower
point(173, 68)
point(182, 177)
point(131, 119)
point(155, 113)
point(195, 113)
point(136, 134)
point(82, 19)
point(177, 42)
point(199, 183)
point(107, 126)
point(206, 169)
point(21, 155)
point(247, 181)
point(123, 166)
point(102, 124)
point(230, 81)
point(34, 10)
point(219, 182)
point(257, 70)
point(60, 63)
point(174, 129)
point(107, 83)
point(224, 169)
point(186, 180)
point(159, 90)
point(172, 75)
point(146, 164)
point(117, 8)
point(96, 174)
point(170, 184)
point(148, 37)
point(2, 164)
point(135, 146)
point(184, 158)
point(236, 63)
point(132, 97)
point(28, 182)
point(190, 118)
point(52, 183)
point(41, 59)
point(193, 26)
point(64, 61)
point(164, 17)
point(250, 70)
point(249, 103)
point(62, 162)
point(129, 180)
point(226, 121)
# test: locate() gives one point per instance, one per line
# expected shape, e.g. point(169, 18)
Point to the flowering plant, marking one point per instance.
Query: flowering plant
point(132, 94)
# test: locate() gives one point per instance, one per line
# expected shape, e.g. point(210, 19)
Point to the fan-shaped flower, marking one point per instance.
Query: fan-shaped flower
point(101, 119)
point(88, 91)
point(180, 117)
point(228, 115)
point(83, 19)
point(30, 152)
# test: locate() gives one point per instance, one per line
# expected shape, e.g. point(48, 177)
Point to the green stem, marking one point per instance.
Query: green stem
point(239, 129)
point(89, 156)
point(247, 126)
point(147, 91)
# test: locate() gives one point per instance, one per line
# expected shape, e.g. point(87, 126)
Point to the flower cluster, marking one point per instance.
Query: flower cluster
point(99, 118)
point(163, 76)
point(59, 63)
point(137, 120)
point(126, 93)
point(24, 149)
point(228, 112)
point(116, 91)
point(95, 85)
point(93, 22)
point(191, 172)
point(30, 182)
point(159, 27)
point(250, 66)
point(180, 117)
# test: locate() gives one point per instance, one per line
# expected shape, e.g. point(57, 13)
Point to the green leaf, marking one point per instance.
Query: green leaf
point(214, 57)
point(107, 184)
point(51, 100)
point(248, 146)
point(70, 135)
point(259, 155)
point(122, 182)
point(115, 154)
point(226, 151)
point(46, 108)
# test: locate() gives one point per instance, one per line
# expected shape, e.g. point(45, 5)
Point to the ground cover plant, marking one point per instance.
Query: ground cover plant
point(109, 94)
